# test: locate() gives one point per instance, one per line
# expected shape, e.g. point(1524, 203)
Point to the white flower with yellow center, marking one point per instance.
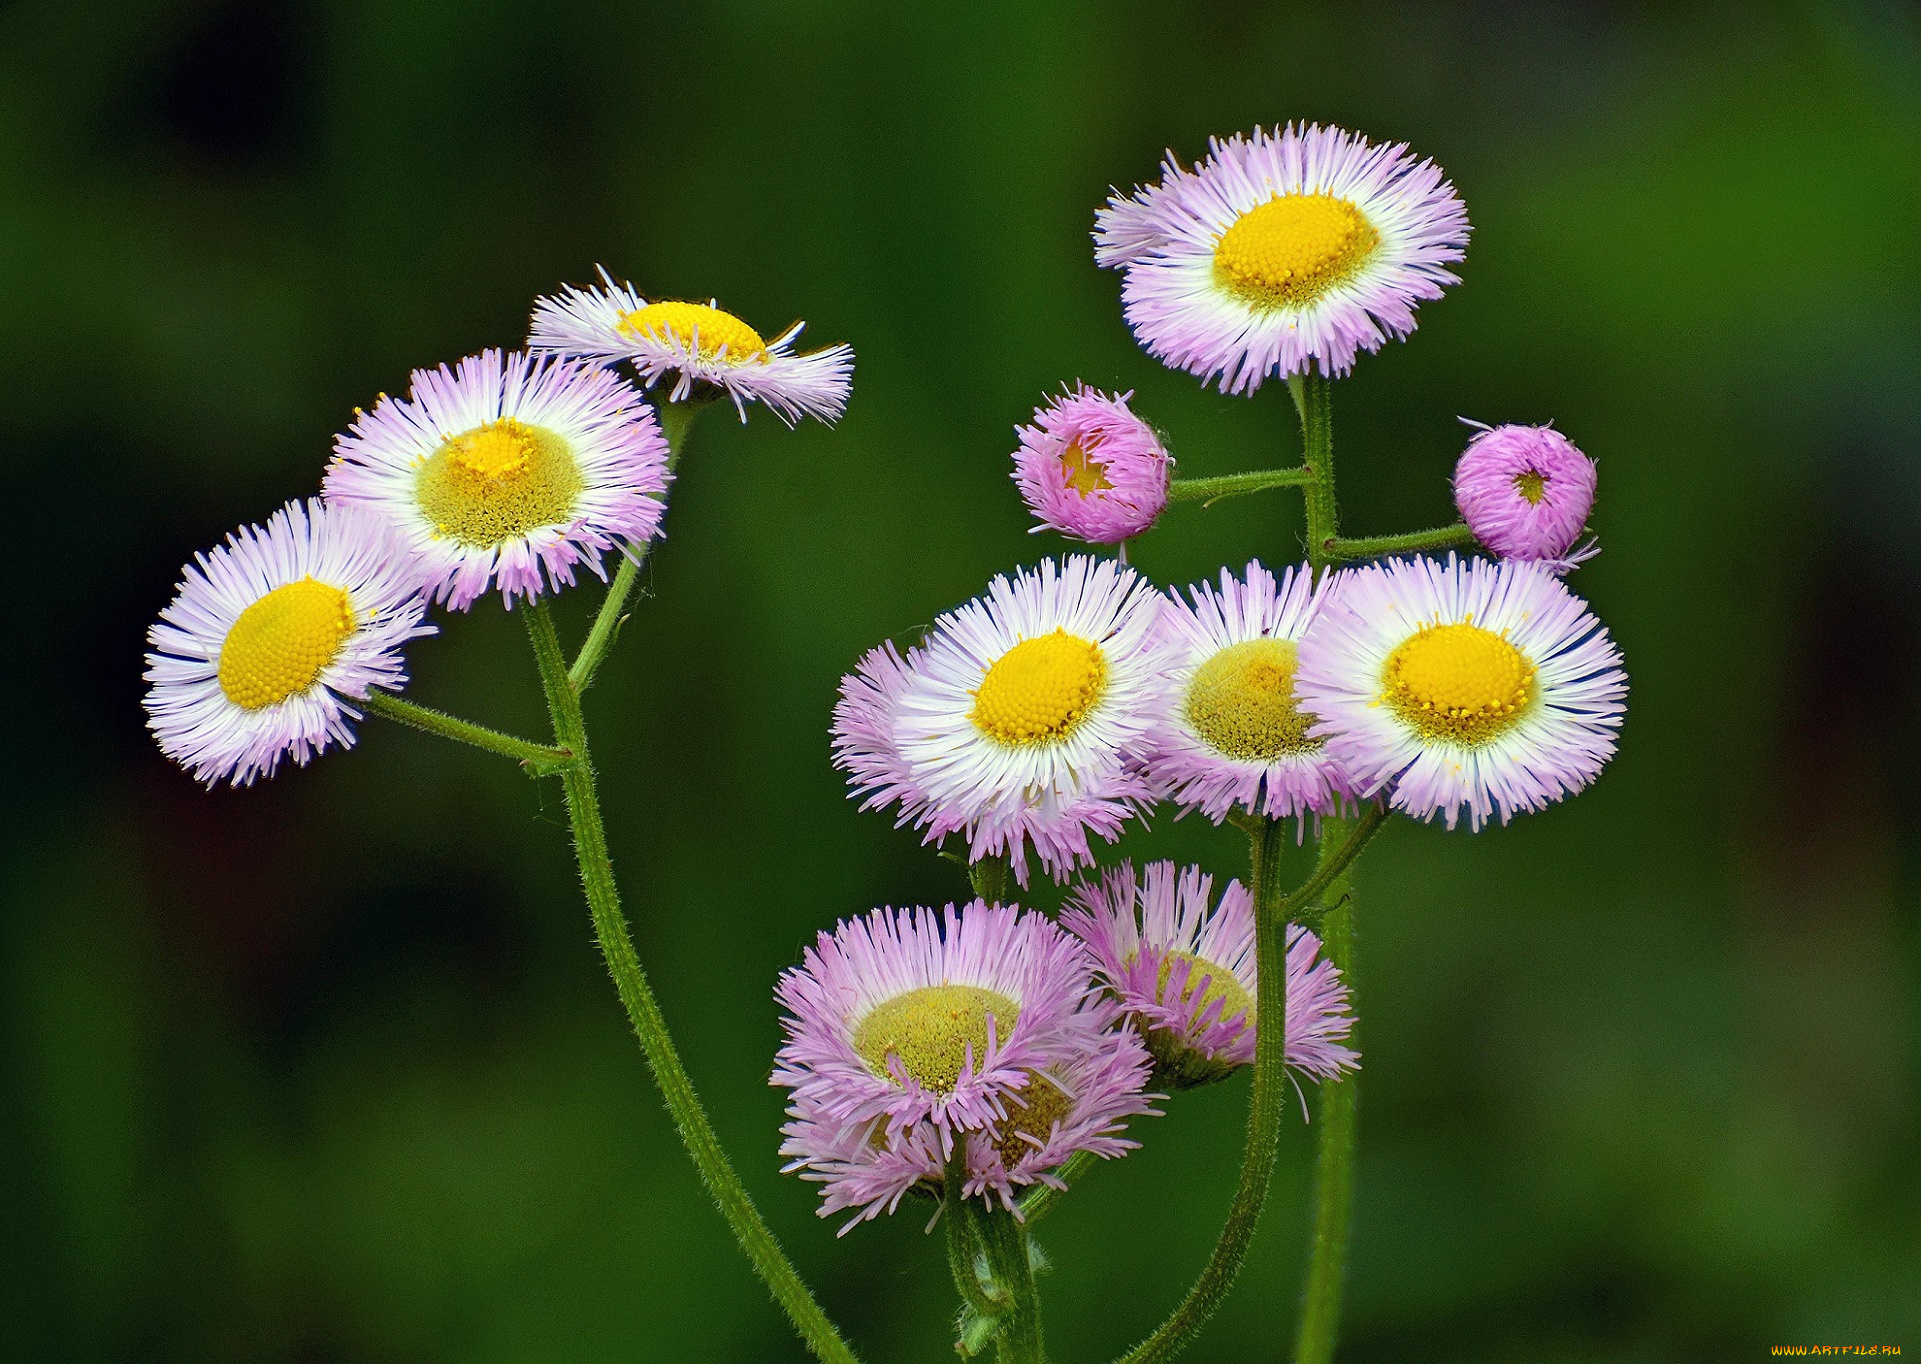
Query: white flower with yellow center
point(266, 634)
point(1023, 708)
point(1280, 251)
point(501, 468)
point(1464, 685)
point(693, 344)
point(1233, 732)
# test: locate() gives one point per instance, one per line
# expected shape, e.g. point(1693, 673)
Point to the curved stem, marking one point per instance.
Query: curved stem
point(610, 927)
point(1265, 1109)
point(1334, 1139)
point(1441, 537)
point(538, 757)
point(1009, 1260)
point(1234, 485)
point(964, 1250)
point(1039, 1200)
point(1341, 842)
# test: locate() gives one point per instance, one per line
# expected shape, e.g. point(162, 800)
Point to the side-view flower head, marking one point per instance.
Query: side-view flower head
point(1090, 468)
point(270, 636)
point(1525, 492)
point(1468, 685)
point(693, 344)
point(1282, 250)
point(1185, 972)
point(504, 466)
point(1231, 732)
point(911, 1030)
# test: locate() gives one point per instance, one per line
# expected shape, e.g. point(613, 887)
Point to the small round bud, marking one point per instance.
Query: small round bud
point(1090, 468)
point(1525, 492)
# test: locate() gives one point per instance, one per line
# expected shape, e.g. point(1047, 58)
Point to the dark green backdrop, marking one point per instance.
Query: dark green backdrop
point(328, 1070)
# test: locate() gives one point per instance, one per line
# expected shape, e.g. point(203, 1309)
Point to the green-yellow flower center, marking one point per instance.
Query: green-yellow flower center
point(930, 1029)
point(1289, 251)
point(496, 482)
point(281, 643)
point(1221, 985)
point(1040, 689)
point(1532, 486)
point(705, 328)
point(1032, 1111)
point(1084, 473)
point(1241, 702)
point(1459, 683)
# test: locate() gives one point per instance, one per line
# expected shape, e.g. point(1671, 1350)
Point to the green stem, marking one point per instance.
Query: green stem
point(1334, 1133)
point(1011, 1263)
point(537, 757)
point(1039, 1200)
point(1234, 485)
point(990, 878)
point(675, 419)
point(610, 927)
point(1441, 537)
point(1266, 1109)
point(964, 1250)
point(1335, 856)
point(1312, 401)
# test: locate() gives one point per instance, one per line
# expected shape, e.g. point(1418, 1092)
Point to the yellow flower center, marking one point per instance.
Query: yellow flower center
point(1241, 702)
point(1289, 251)
point(1038, 690)
point(1221, 985)
point(496, 482)
point(704, 328)
point(1085, 474)
point(282, 642)
point(929, 1030)
point(1532, 486)
point(1033, 1109)
point(1459, 683)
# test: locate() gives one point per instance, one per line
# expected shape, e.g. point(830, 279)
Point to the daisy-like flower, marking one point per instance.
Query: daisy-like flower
point(1232, 731)
point(1525, 492)
point(1090, 468)
point(1016, 719)
point(500, 467)
point(1186, 974)
point(269, 635)
point(693, 344)
point(1303, 246)
point(909, 1031)
point(1465, 685)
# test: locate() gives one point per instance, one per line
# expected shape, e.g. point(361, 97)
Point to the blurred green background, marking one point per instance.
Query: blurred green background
point(328, 1070)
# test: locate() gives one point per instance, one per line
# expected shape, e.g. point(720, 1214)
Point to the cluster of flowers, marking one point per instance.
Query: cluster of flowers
point(508, 471)
point(1073, 697)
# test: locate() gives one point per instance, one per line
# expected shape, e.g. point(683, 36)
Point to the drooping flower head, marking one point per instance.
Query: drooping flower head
point(1232, 732)
point(1281, 250)
point(1016, 719)
point(1465, 685)
point(1525, 492)
point(504, 466)
point(908, 1031)
point(693, 344)
point(1090, 468)
point(270, 635)
point(1186, 973)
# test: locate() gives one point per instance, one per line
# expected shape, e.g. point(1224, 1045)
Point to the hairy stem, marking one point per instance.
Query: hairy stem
point(1441, 537)
point(537, 757)
point(1265, 1111)
point(1335, 1132)
point(1311, 393)
point(1004, 1241)
point(964, 1250)
point(1234, 485)
point(616, 945)
point(1039, 1200)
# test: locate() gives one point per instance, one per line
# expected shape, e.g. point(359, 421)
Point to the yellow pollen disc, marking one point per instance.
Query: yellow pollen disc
point(1241, 702)
point(1532, 486)
point(496, 482)
point(1033, 1109)
point(282, 642)
point(1459, 683)
point(1292, 249)
point(1085, 474)
point(697, 324)
point(1221, 985)
point(1038, 690)
point(929, 1030)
